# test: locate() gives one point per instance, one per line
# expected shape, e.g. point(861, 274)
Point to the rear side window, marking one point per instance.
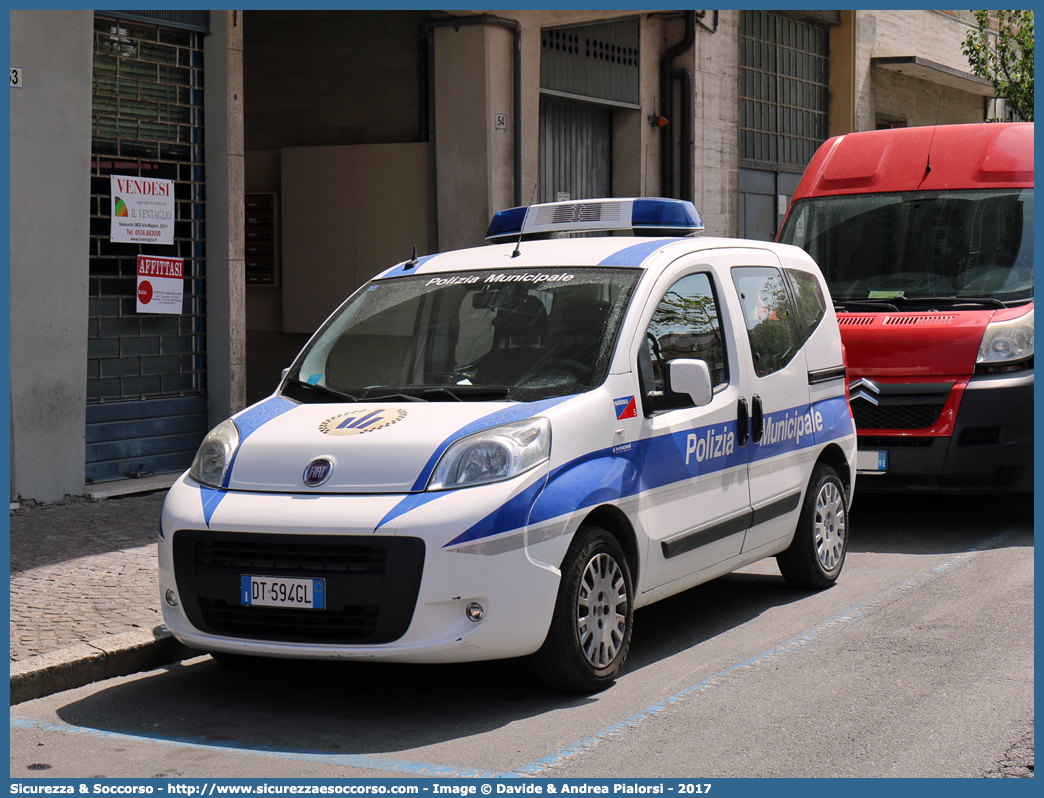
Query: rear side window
point(768, 314)
point(811, 304)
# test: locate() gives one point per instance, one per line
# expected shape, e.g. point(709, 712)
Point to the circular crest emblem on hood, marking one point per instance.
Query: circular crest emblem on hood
point(356, 422)
point(317, 472)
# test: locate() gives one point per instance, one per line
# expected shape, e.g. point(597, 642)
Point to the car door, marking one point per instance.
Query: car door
point(694, 504)
point(782, 442)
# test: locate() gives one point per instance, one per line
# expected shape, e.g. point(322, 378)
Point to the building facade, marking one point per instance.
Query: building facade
point(309, 150)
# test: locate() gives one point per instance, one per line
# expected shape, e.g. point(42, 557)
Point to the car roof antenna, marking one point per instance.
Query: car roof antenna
point(928, 166)
point(412, 261)
point(518, 243)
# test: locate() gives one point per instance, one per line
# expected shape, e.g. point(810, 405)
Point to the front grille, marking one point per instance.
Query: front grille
point(895, 442)
point(897, 416)
point(346, 625)
point(282, 555)
point(371, 585)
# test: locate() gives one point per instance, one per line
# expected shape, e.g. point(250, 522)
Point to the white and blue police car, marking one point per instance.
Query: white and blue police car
point(505, 451)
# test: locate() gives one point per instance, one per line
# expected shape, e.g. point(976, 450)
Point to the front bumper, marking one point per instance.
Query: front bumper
point(395, 592)
point(990, 450)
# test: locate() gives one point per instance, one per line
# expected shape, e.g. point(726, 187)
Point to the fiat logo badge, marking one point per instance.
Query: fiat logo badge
point(317, 472)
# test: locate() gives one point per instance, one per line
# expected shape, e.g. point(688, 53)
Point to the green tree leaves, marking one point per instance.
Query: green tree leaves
point(1006, 62)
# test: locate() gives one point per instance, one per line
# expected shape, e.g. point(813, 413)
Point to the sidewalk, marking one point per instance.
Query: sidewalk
point(84, 594)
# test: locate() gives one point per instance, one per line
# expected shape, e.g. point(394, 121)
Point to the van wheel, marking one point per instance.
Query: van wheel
point(590, 630)
point(816, 554)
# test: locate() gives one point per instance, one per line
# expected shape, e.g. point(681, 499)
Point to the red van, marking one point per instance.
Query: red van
point(925, 236)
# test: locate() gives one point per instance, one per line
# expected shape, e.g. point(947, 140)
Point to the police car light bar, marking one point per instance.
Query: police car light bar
point(638, 215)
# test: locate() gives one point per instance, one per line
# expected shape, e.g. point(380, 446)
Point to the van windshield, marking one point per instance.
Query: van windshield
point(501, 334)
point(892, 248)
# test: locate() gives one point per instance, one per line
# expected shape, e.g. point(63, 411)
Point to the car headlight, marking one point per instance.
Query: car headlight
point(1007, 341)
point(215, 454)
point(493, 455)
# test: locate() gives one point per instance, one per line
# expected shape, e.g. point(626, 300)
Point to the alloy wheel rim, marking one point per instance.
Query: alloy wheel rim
point(601, 610)
point(830, 526)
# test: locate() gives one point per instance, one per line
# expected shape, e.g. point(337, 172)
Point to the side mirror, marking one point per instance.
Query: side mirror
point(283, 375)
point(691, 377)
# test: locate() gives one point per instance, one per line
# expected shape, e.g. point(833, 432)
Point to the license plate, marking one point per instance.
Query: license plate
point(279, 591)
point(871, 461)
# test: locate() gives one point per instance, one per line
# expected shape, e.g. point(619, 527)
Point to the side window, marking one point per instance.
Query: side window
point(767, 312)
point(686, 324)
point(811, 303)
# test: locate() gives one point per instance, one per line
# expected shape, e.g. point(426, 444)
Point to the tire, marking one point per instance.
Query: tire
point(590, 630)
point(817, 553)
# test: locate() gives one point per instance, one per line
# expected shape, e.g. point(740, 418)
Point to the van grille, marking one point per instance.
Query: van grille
point(907, 321)
point(898, 416)
point(371, 585)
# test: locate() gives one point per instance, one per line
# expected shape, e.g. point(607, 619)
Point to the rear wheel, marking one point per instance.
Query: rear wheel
point(817, 553)
point(590, 631)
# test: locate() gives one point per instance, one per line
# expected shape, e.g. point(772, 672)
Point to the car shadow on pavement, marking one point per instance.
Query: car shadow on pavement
point(935, 523)
point(387, 708)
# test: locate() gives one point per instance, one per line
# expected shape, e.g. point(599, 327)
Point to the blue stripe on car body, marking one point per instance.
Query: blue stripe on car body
point(516, 412)
point(634, 255)
point(617, 472)
point(248, 422)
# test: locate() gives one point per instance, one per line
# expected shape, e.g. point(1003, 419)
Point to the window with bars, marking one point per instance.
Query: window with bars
point(147, 121)
point(783, 91)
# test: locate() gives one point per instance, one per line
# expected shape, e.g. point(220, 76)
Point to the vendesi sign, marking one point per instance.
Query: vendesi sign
point(142, 210)
point(161, 284)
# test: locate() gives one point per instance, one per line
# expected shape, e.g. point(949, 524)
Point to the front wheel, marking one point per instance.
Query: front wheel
point(590, 630)
point(816, 554)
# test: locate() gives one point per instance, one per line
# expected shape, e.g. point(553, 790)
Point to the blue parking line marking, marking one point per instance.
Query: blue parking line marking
point(363, 761)
point(577, 749)
point(737, 672)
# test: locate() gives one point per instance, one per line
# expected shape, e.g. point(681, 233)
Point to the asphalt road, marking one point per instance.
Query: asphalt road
point(918, 663)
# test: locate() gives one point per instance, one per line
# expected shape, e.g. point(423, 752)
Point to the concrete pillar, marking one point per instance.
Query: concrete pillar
point(225, 168)
point(50, 240)
point(716, 126)
point(841, 114)
point(461, 135)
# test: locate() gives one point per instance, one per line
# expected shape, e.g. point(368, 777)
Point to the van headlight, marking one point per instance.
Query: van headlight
point(493, 455)
point(1007, 341)
point(215, 454)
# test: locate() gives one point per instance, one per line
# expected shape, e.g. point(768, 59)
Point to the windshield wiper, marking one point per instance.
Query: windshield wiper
point(481, 392)
point(406, 396)
point(324, 390)
point(894, 303)
point(959, 300)
point(436, 393)
point(844, 304)
point(430, 393)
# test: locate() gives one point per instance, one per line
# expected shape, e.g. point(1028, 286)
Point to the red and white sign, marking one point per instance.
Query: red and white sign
point(142, 210)
point(161, 284)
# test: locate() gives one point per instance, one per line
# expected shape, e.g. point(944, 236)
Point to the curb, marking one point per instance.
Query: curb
point(105, 658)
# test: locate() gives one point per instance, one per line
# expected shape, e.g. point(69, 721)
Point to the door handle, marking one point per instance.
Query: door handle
point(758, 419)
point(743, 422)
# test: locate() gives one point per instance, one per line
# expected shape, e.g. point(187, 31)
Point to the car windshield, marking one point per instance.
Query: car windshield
point(469, 336)
point(893, 248)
